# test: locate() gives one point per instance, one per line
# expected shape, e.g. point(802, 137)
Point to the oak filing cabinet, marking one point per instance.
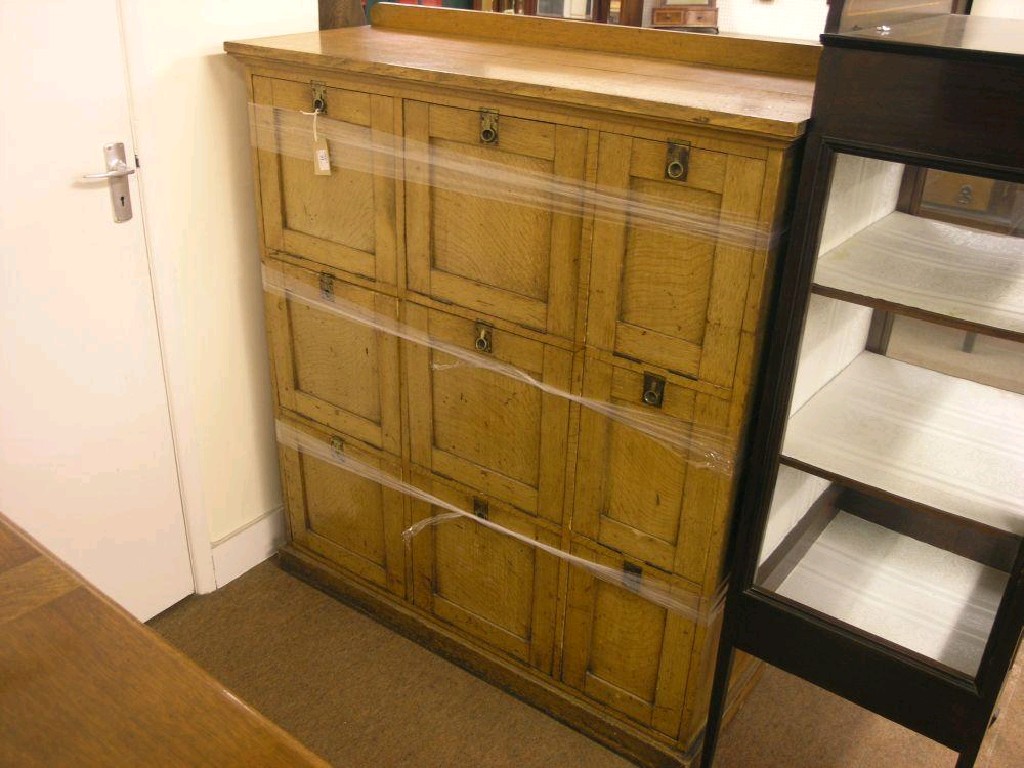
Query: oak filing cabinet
point(605, 224)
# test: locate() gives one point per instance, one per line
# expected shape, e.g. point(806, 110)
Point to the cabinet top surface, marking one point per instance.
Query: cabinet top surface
point(949, 35)
point(554, 62)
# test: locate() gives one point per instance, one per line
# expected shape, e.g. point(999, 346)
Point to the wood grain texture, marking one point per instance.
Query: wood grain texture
point(674, 89)
point(557, 287)
point(549, 695)
point(513, 258)
point(311, 345)
point(486, 429)
point(738, 52)
point(341, 13)
point(87, 685)
point(344, 220)
point(636, 494)
point(355, 522)
point(484, 583)
point(675, 297)
point(623, 650)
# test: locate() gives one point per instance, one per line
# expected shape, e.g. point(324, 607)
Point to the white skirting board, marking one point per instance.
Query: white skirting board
point(249, 546)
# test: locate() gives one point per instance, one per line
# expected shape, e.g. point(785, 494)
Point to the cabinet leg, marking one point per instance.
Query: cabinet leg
point(723, 666)
point(969, 755)
point(966, 758)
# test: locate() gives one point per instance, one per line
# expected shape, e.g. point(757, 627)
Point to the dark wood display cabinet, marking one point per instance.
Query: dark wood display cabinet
point(877, 551)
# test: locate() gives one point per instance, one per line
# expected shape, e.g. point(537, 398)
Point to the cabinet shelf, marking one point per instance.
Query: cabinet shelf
point(879, 550)
point(930, 269)
point(906, 592)
point(916, 436)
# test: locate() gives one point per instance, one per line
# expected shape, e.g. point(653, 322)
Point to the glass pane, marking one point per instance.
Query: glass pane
point(899, 504)
point(568, 9)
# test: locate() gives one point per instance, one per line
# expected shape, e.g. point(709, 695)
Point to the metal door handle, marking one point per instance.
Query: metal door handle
point(115, 174)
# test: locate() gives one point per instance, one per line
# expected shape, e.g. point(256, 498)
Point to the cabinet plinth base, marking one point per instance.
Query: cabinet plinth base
point(620, 737)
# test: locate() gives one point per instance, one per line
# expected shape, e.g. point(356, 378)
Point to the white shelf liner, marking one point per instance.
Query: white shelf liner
point(945, 442)
point(902, 590)
point(937, 267)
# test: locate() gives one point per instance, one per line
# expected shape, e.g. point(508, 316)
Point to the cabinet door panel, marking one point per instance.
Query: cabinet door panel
point(636, 494)
point(623, 650)
point(345, 220)
point(353, 522)
point(331, 369)
point(468, 243)
point(671, 271)
point(487, 430)
point(488, 584)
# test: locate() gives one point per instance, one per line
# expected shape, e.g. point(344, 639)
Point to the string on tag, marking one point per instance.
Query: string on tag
point(321, 151)
point(315, 114)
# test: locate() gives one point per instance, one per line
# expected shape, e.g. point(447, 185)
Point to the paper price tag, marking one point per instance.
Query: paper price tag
point(321, 157)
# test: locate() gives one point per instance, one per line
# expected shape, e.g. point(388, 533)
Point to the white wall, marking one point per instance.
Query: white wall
point(805, 19)
point(794, 19)
point(192, 135)
point(1007, 9)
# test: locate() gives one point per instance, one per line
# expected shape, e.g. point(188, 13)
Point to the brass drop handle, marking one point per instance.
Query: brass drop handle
point(677, 161)
point(966, 196)
point(654, 390)
point(488, 126)
point(484, 338)
point(319, 98)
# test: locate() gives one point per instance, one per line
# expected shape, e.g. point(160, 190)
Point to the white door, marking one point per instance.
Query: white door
point(86, 457)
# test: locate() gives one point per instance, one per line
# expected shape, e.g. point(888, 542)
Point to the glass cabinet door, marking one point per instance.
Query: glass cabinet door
point(898, 508)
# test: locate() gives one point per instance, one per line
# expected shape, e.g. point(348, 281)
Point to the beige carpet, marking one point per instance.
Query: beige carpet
point(360, 695)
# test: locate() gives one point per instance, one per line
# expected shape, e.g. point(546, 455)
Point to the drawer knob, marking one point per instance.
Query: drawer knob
point(654, 390)
point(488, 126)
point(677, 161)
point(484, 338)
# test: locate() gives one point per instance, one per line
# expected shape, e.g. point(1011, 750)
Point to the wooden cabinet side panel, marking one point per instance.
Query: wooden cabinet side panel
point(734, 255)
point(417, 197)
point(707, 499)
point(267, 150)
point(566, 230)
point(385, 180)
point(609, 243)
